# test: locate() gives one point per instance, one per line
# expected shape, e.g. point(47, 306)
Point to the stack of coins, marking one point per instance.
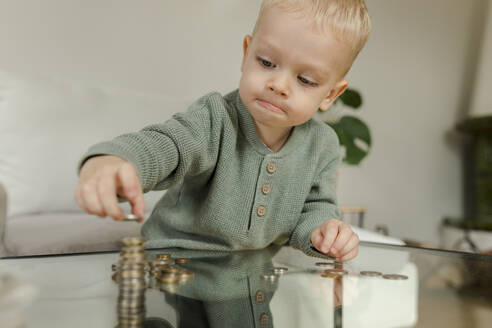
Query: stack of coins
point(130, 276)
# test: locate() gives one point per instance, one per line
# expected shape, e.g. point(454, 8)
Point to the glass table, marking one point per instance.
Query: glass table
point(385, 286)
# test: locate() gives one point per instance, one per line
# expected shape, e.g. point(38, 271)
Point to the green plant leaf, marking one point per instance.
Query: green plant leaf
point(350, 98)
point(349, 129)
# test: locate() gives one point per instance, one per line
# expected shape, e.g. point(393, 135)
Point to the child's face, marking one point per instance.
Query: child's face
point(290, 70)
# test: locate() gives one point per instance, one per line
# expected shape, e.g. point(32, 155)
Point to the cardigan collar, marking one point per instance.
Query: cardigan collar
point(248, 129)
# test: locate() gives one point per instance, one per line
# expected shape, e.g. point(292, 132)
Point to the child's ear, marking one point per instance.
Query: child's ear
point(246, 43)
point(335, 92)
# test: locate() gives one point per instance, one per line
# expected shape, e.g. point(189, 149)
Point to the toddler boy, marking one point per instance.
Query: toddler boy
point(253, 167)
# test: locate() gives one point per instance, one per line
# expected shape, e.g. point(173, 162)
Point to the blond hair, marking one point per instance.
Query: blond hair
point(348, 20)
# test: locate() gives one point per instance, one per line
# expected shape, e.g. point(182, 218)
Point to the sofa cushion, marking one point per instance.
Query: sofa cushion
point(46, 125)
point(59, 233)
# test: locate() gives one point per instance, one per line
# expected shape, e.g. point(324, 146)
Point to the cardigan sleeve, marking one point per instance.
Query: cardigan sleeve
point(320, 205)
point(165, 153)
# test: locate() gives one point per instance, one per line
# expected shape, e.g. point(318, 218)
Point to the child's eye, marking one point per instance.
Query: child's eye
point(306, 81)
point(265, 62)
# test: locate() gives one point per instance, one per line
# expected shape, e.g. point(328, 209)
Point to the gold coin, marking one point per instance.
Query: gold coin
point(163, 256)
point(180, 260)
point(161, 262)
point(325, 263)
point(133, 241)
point(171, 269)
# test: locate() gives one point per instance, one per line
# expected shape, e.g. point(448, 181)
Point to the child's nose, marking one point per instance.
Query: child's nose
point(279, 84)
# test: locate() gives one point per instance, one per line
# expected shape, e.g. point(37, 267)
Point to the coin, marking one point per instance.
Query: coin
point(325, 263)
point(279, 270)
point(163, 256)
point(395, 277)
point(336, 271)
point(171, 269)
point(168, 278)
point(160, 262)
point(181, 260)
point(269, 277)
point(185, 275)
point(371, 273)
point(133, 241)
point(333, 275)
point(132, 274)
point(131, 217)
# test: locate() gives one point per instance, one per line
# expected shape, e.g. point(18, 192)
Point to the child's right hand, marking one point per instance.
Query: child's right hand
point(102, 179)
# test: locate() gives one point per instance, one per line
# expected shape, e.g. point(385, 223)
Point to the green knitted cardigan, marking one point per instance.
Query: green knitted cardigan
point(215, 168)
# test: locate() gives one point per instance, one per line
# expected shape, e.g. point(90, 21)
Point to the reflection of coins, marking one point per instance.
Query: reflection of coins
point(269, 277)
point(333, 275)
point(185, 275)
point(170, 269)
point(395, 277)
point(336, 271)
point(370, 273)
point(180, 260)
point(168, 278)
point(132, 274)
point(280, 270)
point(325, 263)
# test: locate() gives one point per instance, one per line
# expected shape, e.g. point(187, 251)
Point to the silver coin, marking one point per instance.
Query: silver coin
point(131, 217)
point(269, 277)
point(280, 270)
point(133, 241)
point(395, 277)
point(371, 273)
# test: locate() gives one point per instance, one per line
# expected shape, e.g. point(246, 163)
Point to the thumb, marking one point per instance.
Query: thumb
point(316, 238)
point(130, 185)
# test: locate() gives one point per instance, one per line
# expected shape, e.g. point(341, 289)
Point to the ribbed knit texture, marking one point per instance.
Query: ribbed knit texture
point(214, 165)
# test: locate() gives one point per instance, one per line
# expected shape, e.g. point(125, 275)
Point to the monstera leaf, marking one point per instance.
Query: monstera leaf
point(350, 98)
point(354, 135)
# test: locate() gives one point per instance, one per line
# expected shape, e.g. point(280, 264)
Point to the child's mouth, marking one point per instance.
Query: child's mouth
point(270, 106)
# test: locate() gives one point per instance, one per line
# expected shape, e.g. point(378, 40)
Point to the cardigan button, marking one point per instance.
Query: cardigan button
point(265, 189)
point(271, 167)
point(260, 297)
point(264, 319)
point(261, 211)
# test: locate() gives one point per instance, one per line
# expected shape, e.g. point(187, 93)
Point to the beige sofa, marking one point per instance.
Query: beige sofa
point(46, 126)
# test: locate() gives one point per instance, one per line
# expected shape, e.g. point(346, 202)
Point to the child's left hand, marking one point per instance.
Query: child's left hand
point(335, 238)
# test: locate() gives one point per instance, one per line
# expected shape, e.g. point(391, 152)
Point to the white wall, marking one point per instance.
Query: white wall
point(411, 74)
point(481, 103)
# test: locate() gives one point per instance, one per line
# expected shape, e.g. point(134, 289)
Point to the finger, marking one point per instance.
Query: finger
point(90, 199)
point(350, 255)
point(317, 238)
point(329, 229)
point(107, 195)
point(344, 234)
point(351, 244)
point(78, 198)
point(130, 184)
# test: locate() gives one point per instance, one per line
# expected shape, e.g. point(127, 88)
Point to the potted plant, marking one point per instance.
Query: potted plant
point(353, 133)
